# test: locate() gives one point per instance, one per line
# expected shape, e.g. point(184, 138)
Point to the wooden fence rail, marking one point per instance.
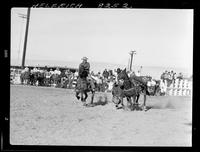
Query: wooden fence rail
point(180, 88)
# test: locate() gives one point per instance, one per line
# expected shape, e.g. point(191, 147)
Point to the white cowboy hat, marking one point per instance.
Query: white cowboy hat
point(84, 58)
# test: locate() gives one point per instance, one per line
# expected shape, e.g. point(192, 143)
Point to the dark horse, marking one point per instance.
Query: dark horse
point(83, 86)
point(119, 93)
point(131, 87)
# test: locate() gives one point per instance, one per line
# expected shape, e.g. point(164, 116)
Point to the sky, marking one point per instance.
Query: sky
point(160, 37)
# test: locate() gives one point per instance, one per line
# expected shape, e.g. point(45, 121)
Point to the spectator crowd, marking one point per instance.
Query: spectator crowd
point(65, 78)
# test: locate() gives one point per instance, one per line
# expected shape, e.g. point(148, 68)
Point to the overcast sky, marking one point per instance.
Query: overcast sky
point(161, 37)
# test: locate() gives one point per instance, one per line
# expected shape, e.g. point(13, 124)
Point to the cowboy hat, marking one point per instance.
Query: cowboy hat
point(84, 58)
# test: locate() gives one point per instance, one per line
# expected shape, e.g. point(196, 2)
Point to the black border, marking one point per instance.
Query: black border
point(126, 4)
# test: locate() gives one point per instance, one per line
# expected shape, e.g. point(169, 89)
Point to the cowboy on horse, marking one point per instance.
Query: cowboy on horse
point(84, 71)
point(84, 68)
point(85, 82)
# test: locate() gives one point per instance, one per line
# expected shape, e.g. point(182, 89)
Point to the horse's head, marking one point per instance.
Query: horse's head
point(122, 76)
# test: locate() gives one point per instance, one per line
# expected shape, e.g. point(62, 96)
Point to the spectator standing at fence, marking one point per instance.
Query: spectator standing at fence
point(115, 72)
point(110, 73)
point(174, 76)
point(67, 73)
point(138, 73)
point(35, 70)
point(51, 72)
point(41, 70)
point(180, 76)
point(168, 75)
point(23, 71)
point(57, 71)
point(163, 87)
point(26, 69)
point(48, 74)
point(76, 74)
point(162, 76)
point(105, 74)
point(165, 75)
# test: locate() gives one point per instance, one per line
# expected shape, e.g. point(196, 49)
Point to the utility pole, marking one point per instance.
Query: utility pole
point(131, 53)
point(26, 36)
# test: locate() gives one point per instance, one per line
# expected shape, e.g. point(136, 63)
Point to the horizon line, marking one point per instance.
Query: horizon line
point(104, 62)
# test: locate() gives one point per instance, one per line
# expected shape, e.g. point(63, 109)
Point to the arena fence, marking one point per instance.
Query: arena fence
point(180, 88)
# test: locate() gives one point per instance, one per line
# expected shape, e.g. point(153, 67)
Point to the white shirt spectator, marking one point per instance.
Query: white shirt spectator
point(110, 85)
point(51, 72)
point(32, 71)
point(138, 74)
point(48, 74)
point(153, 83)
point(76, 74)
point(35, 69)
point(57, 72)
point(23, 71)
point(163, 87)
point(26, 69)
point(41, 71)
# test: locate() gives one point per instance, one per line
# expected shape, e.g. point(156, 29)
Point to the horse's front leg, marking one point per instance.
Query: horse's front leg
point(86, 95)
point(92, 98)
point(137, 98)
point(144, 104)
point(82, 96)
point(122, 102)
point(129, 104)
point(133, 103)
point(77, 95)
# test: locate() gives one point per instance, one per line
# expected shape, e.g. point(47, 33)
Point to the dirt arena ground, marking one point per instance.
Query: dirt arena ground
point(53, 116)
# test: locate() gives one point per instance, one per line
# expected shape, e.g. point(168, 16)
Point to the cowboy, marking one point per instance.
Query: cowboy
point(84, 68)
point(84, 72)
point(105, 74)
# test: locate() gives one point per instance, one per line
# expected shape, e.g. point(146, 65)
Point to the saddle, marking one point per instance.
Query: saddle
point(139, 80)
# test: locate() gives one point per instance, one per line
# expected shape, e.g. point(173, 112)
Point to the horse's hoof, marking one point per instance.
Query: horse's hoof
point(118, 108)
point(84, 104)
point(144, 108)
point(90, 105)
point(132, 108)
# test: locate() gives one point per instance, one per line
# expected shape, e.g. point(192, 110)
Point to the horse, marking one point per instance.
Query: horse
point(119, 93)
point(83, 86)
point(126, 89)
point(127, 83)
